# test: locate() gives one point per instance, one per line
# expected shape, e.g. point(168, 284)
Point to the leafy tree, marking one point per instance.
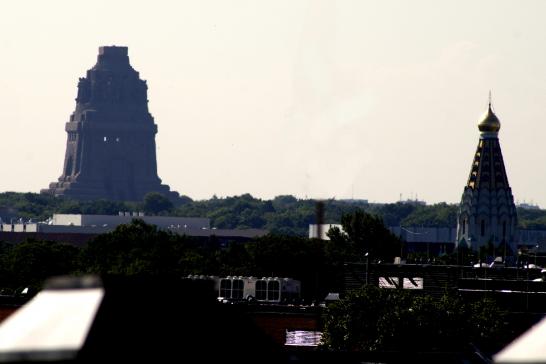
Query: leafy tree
point(375, 319)
point(393, 214)
point(294, 257)
point(438, 215)
point(351, 323)
point(235, 260)
point(183, 200)
point(366, 233)
point(31, 262)
point(142, 249)
point(531, 218)
point(101, 207)
point(284, 201)
point(155, 203)
point(487, 323)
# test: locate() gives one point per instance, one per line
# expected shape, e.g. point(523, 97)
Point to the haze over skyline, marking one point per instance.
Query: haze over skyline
point(321, 99)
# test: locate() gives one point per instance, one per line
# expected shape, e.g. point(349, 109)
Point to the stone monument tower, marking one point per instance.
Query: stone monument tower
point(110, 149)
point(487, 212)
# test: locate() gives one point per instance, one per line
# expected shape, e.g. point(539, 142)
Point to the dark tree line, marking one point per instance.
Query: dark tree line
point(29, 263)
point(282, 215)
point(139, 249)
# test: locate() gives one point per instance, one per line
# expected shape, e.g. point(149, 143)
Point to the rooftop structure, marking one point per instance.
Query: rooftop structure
point(314, 230)
point(528, 206)
point(80, 228)
point(162, 222)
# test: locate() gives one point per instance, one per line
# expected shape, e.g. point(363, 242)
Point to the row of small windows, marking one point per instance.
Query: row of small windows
point(73, 136)
point(107, 139)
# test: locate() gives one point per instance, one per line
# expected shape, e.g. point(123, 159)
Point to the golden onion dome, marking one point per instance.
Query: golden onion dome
point(489, 122)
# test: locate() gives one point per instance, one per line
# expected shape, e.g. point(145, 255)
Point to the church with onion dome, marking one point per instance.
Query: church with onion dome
point(487, 213)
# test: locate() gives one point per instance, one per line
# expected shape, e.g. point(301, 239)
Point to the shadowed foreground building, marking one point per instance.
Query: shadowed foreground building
point(110, 149)
point(487, 213)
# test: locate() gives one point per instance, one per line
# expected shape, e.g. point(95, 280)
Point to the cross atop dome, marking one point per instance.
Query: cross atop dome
point(489, 122)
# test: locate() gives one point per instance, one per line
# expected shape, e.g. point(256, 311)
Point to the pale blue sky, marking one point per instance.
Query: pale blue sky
point(369, 99)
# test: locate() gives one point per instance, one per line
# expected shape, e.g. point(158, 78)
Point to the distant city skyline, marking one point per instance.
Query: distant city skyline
point(318, 99)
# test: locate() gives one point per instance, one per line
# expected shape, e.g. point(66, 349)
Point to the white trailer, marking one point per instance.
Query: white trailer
point(265, 289)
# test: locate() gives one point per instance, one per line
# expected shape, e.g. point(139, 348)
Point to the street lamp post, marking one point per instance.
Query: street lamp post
point(471, 247)
point(518, 260)
point(504, 258)
point(367, 266)
point(536, 251)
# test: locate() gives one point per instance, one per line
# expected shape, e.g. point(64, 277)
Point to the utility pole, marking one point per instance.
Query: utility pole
point(367, 266)
point(319, 213)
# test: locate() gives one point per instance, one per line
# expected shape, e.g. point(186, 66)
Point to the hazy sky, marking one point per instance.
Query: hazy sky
point(370, 99)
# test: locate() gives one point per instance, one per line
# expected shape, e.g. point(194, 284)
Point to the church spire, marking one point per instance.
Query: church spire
point(487, 212)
